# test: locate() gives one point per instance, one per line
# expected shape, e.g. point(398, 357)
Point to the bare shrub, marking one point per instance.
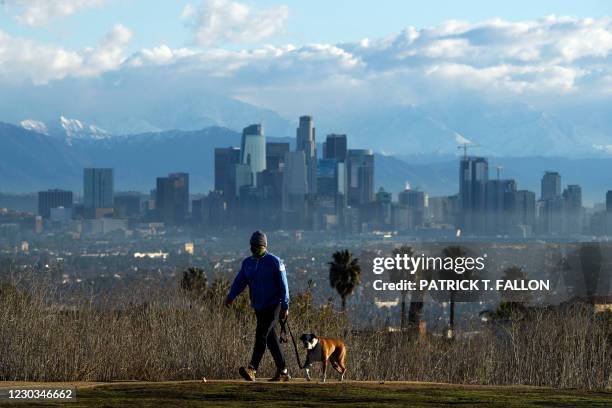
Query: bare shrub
point(165, 334)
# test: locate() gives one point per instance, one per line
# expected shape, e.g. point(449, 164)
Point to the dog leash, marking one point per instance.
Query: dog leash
point(283, 339)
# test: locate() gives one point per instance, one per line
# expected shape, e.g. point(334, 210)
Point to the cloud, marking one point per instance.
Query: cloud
point(40, 12)
point(551, 59)
point(25, 60)
point(219, 21)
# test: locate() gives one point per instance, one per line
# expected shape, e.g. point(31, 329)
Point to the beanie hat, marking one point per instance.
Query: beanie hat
point(259, 238)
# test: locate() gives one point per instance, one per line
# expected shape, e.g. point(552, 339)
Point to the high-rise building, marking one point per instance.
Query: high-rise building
point(226, 159)
point(416, 202)
point(525, 204)
point(242, 176)
point(306, 142)
point(253, 150)
point(500, 206)
point(98, 191)
point(551, 185)
point(335, 147)
point(442, 210)
point(295, 187)
point(607, 216)
point(127, 205)
point(53, 199)
point(275, 155)
point(473, 178)
point(550, 215)
point(572, 197)
point(172, 198)
point(360, 176)
point(327, 182)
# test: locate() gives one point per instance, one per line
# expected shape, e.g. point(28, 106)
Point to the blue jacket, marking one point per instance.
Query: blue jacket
point(266, 279)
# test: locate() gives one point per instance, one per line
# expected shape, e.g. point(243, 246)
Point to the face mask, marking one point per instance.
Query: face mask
point(258, 251)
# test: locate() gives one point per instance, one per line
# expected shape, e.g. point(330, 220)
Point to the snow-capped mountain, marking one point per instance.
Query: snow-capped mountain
point(35, 126)
point(65, 128)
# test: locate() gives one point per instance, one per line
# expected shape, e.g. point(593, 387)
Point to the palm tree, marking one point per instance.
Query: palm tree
point(344, 274)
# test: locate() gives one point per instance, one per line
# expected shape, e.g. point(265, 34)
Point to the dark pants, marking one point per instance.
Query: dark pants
point(265, 335)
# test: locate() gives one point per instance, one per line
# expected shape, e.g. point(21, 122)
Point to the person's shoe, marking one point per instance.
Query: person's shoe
point(281, 376)
point(247, 373)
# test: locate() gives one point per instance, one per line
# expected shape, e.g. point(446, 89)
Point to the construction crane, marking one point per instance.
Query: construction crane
point(465, 146)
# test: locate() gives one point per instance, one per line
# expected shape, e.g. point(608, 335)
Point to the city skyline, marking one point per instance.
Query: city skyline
point(259, 183)
point(528, 82)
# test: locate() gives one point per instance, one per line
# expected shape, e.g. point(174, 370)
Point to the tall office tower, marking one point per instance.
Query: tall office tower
point(416, 202)
point(525, 204)
point(253, 150)
point(98, 190)
point(335, 147)
point(226, 159)
point(295, 187)
point(551, 185)
point(608, 214)
point(382, 208)
point(127, 205)
point(306, 142)
point(360, 176)
point(327, 182)
point(572, 197)
point(442, 210)
point(275, 155)
point(550, 216)
point(172, 198)
point(473, 177)
point(53, 199)
point(500, 206)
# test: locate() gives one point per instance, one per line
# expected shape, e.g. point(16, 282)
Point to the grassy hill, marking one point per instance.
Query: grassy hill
point(333, 394)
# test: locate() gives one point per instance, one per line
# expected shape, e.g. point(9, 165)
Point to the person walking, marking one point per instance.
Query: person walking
point(264, 274)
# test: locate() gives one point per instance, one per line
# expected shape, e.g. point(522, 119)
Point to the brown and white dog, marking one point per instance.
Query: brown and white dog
point(325, 350)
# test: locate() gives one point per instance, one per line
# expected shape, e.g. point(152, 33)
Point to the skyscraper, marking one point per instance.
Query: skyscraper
point(360, 176)
point(98, 190)
point(306, 142)
point(335, 147)
point(327, 182)
point(473, 177)
point(253, 150)
point(127, 205)
point(172, 198)
point(525, 204)
point(53, 199)
point(225, 160)
point(416, 202)
point(551, 185)
point(500, 206)
point(572, 197)
point(275, 155)
point(294, 189)
point(551, 204)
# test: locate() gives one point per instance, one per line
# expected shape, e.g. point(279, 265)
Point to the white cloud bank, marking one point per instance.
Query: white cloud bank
point(215, 21)
point(22, 59)
point(40, 12)
point(551, 58)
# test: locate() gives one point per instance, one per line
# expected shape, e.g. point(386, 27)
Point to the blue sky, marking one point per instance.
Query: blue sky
point(155, 22)
point(304, 56)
